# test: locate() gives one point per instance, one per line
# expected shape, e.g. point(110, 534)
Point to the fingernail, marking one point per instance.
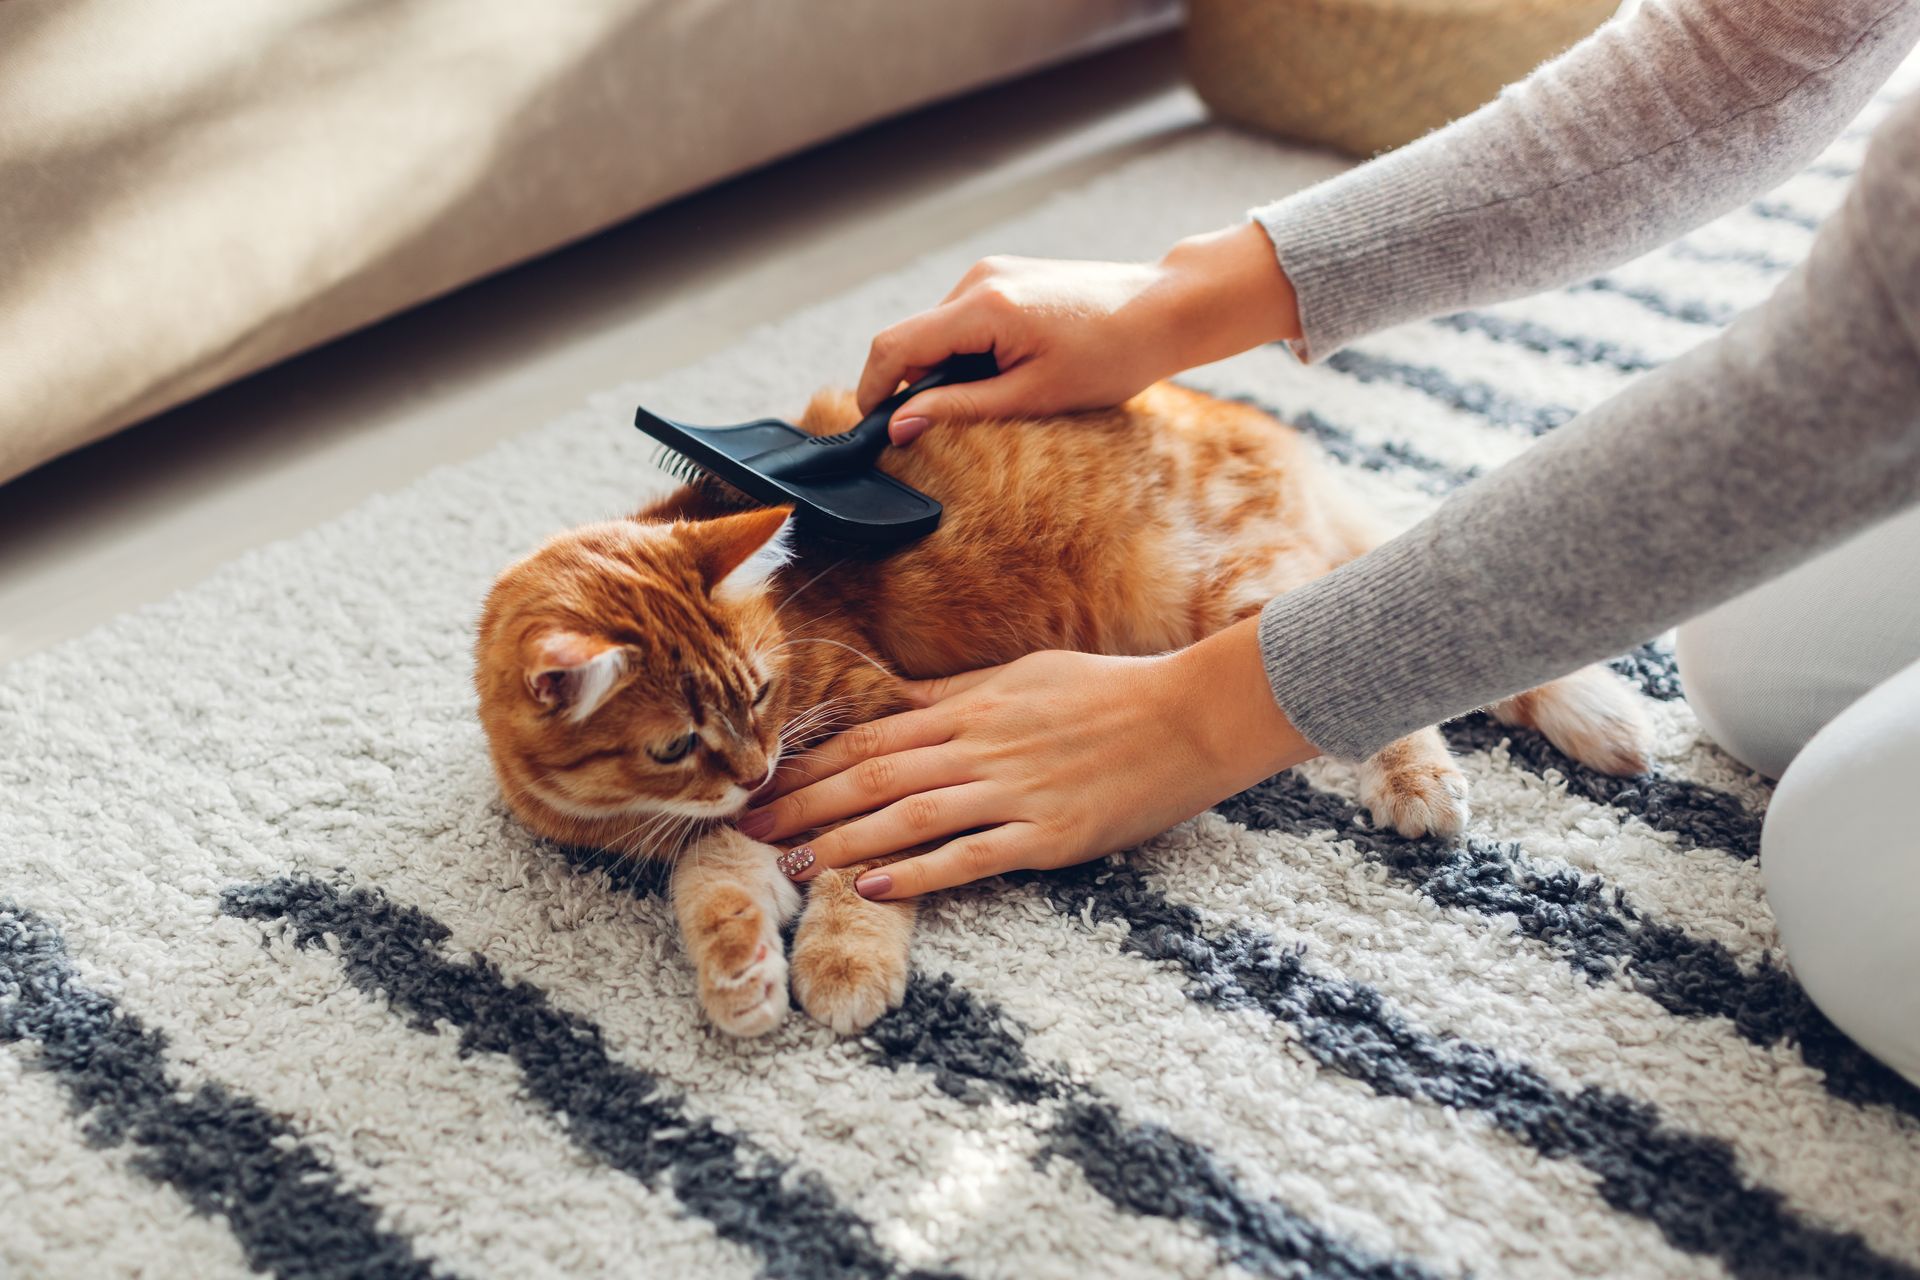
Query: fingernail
point(757, 824)
point(876, 885)
point(907, 430)
point(794, 861)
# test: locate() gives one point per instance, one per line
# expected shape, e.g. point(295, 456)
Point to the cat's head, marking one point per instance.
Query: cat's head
point(626, 669)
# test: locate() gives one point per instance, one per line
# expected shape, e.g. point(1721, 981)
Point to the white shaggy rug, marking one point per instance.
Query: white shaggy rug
point(282, 987)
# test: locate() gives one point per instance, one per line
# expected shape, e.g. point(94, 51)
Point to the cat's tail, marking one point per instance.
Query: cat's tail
point(1591, 715)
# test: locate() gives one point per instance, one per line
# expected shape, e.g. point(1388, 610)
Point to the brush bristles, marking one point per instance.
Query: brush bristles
point(692, 474)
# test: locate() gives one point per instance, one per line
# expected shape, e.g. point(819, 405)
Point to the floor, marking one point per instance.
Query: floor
point(162, 504)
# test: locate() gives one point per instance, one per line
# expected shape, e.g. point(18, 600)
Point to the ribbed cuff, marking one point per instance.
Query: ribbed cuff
point(1355, 658)
point(1368, 249)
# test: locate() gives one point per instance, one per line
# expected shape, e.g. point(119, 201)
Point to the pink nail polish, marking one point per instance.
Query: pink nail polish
point(873, 886)
point(757, 824)
point(794, 862)
point(907, 430)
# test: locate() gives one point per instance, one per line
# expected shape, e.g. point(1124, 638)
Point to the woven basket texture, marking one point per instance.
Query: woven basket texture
point(1364, 76)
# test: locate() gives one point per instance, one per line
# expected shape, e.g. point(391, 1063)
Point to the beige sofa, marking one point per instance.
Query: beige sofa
point(189, 191)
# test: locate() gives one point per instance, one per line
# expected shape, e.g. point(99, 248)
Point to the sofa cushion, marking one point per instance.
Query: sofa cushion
point(190, 191)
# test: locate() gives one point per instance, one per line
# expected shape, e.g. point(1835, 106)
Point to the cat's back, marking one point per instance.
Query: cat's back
point(1119, 531)
point(1168, 453)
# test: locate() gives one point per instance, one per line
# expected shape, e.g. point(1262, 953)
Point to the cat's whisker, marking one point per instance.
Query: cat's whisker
point(818, 618)
point(820, 734)
point(796, 592)
point(817, 707)
point(800, 728)
point(838, 644)
point(825, 704)
point(805, 722)
point(773, 619)
point(627, 842)
point(813, 730)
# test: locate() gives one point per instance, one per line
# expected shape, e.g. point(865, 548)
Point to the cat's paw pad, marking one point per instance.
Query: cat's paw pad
point(847, 986)
point(1424, 800)
point(751, 1000)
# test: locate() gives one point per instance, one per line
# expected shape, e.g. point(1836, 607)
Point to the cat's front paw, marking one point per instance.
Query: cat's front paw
point(1417, 800)
point(847, 982)
point(752, 1001)
point(743, 973)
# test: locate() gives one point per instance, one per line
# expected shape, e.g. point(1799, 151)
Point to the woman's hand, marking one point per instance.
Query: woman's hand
point(1047, 761)
point(1083, 335)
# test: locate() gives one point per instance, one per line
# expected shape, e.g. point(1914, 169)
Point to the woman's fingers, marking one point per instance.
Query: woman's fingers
point(918, 819)
point(995, 851)
point(919, 342)
point(860, 788)
point(921, 727)
point(1015, 393)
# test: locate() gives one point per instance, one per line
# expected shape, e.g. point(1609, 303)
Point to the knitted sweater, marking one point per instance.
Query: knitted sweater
point(1795, 428)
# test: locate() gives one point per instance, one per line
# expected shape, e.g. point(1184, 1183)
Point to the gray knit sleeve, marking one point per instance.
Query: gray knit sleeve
point(1795, 428)
point(1656, 123)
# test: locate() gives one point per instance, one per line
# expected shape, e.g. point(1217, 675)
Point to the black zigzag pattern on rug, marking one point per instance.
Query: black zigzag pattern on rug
point(1595, 929)
point(218, 1148)
point(1690, 1187)
point(624, 1116)
point(966, 1043)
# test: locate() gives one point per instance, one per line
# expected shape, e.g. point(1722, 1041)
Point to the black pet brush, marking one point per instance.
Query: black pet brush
point(829, 481)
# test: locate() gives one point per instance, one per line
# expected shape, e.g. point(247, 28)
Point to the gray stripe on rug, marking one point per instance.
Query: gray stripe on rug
point(1389, 457)
point(1572, 348)
point(1836, 170)
point(620, 1114)
point(974, 1053)
point(1594, 929)
point(1687, 251)
point(1688, 1186)
point(1695, 814)
point(218, 1149)
point(1687, 311)
point(1781, 211)
point(1386, 457)
point(1653, 669)
point(1480, 399)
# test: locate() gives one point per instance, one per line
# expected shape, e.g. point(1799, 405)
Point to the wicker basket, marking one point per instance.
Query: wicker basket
point(1367, 75)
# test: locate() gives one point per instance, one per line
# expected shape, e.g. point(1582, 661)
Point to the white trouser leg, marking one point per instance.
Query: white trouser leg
point(1766, 670)
point(1840, 853)
point(1814, 678)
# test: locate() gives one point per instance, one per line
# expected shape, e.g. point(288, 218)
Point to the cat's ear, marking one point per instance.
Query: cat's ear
point(737, 554)
point(569, 672)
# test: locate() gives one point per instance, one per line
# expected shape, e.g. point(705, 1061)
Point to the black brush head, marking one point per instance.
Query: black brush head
point(864, 506)
point(829, 481)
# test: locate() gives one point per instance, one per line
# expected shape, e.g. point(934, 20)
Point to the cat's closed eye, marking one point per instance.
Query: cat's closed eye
point(760, 694)
point(675, 750)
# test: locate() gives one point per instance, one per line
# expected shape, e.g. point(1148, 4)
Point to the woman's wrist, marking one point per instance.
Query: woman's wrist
point(1227, 294)
point(1217, 691)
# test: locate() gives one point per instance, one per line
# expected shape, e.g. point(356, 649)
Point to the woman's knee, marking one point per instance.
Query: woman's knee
point(1731, 690)
point(1841, 858)
point(1764, 671)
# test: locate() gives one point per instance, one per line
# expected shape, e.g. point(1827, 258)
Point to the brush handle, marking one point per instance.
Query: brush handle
point(858, 448)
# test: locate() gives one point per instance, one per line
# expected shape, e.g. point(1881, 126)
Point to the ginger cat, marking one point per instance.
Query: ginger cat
point(640, 678)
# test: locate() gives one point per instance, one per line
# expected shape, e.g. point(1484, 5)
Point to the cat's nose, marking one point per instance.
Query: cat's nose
point(748, 767)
